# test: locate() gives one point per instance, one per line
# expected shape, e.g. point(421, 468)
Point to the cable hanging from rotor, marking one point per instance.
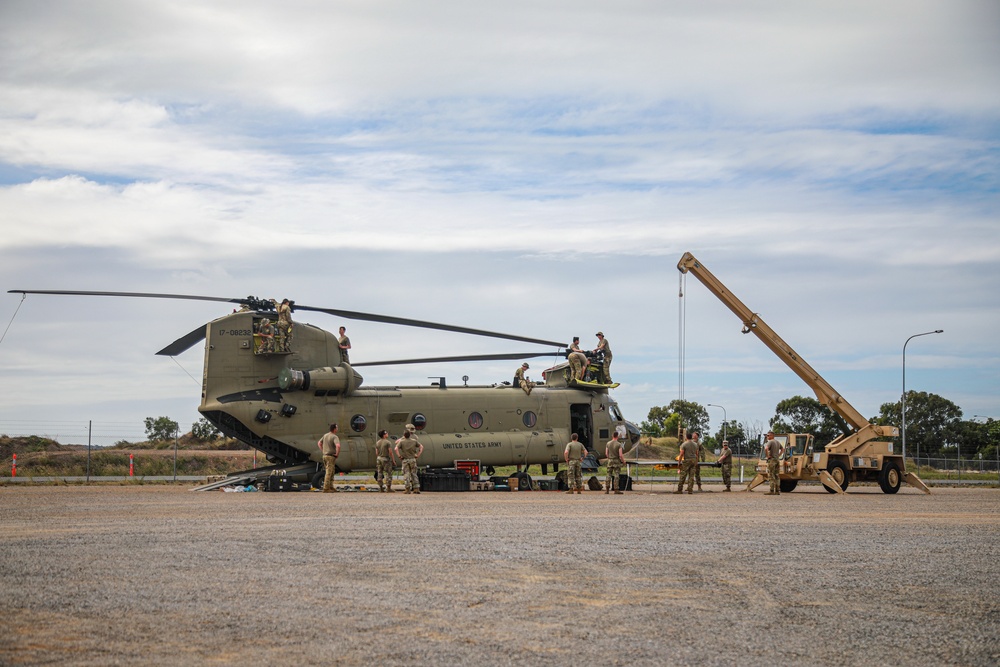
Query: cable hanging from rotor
point(23, 297)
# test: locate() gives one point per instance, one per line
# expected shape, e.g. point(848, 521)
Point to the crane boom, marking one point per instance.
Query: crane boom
point(752, 323)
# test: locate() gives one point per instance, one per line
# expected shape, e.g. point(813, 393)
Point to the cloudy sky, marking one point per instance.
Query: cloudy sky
point(529, 167)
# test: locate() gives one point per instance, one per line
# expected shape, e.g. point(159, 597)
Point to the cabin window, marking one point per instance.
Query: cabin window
point(529, 419)
point(358, 423)
point(419, 421)
point(475, 420)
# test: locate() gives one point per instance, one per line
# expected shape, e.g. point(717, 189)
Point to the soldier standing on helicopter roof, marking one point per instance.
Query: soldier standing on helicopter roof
point(577, 359)
point(284, 323)
point(604, 346)
point(345, 344)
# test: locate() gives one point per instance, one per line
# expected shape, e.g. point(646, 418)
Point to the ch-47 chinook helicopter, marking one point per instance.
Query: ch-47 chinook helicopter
point(279, 402)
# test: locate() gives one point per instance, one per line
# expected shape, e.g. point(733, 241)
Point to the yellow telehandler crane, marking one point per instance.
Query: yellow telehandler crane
point(862, 454)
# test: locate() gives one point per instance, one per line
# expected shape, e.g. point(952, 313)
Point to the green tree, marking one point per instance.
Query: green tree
point(665, 420)
point(204, 431)
point(160, 428)
point(660, 422)
point(932, 422)
point(694, 416)
point(804, 414)
point(734, 433)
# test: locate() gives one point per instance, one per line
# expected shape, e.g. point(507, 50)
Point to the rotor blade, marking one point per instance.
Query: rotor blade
point(473, 357)
point(145, 295)
point(262, 304)
point(385, 319)
point(184, 343)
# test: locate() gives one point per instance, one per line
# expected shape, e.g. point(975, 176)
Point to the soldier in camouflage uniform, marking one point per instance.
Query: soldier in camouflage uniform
point(772, 450)
point(577, 359)
point(574, 453)
point(521, 381)
point(616, 458)
point(284, 324)
point(701, 456)
point(344, 343)
point(384, 462)
point(604, 346)
point(329, 444)
point(408, 449)
point(689, 463)
point(725, 462)
point(266, 332)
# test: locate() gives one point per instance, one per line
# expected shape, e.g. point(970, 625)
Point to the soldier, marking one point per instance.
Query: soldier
point(284, 324)
point(772, 450)
point(266, 333)
point(725, 462)
point(577, 359)
point(345, 344)
point(605, 347)
point(329, 444)
point(689, 463)
point(701, 457)
point(408, 449)
point(521, 381)
point(574, 453)
point(616, 458)
point(384, 462)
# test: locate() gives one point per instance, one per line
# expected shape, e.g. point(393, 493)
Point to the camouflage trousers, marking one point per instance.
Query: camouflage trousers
point(383, 472)
point(576, 362)
point(574, 476)
point(688, 468)
point(606, 371)
point(727, 474)
point(330, 463)
point(410, 479)
point(284, 337)
point(697, 474)
point(772, 475)
point(611, 483)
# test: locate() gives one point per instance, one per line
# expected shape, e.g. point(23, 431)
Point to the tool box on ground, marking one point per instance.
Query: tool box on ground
point(444, 479)
point(280, 483)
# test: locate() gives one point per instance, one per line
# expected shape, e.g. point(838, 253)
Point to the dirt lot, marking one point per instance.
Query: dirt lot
point(161, 575)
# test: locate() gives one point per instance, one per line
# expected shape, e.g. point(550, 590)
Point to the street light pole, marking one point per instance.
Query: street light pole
point(713, 405)
point(903, 404)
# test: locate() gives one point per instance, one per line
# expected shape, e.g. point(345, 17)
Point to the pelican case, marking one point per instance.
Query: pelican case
point(445, 479)
point(280, 483)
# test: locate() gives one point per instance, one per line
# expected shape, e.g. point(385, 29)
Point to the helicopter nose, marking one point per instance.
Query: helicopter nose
point(633, 432)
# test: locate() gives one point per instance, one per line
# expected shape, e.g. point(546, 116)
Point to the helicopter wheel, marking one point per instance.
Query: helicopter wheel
point(318, 478)
point(489, 470)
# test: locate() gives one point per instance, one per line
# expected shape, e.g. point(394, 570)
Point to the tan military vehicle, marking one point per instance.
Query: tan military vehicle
point(864, 453)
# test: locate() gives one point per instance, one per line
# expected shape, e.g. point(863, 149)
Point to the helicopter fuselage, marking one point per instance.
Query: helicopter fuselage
point(282, 402)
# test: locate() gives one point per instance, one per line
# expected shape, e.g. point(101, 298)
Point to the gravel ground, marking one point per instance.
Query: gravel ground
point(159, 575)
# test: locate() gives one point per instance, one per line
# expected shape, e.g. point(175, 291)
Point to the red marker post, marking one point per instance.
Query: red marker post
point(131, 466)
point(13, 468)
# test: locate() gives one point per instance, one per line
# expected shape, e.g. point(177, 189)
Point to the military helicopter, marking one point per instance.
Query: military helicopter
point(280, 398)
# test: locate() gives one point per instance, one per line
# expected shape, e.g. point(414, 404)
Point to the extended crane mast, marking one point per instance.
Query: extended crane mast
point(853, 456)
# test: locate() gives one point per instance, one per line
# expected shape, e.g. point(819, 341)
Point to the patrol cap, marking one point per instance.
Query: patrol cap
point(599, 333)
point(525, 365)
point(411, 427)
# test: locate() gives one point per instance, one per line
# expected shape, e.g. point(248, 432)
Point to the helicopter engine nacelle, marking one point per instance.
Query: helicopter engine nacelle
point(342, 379)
